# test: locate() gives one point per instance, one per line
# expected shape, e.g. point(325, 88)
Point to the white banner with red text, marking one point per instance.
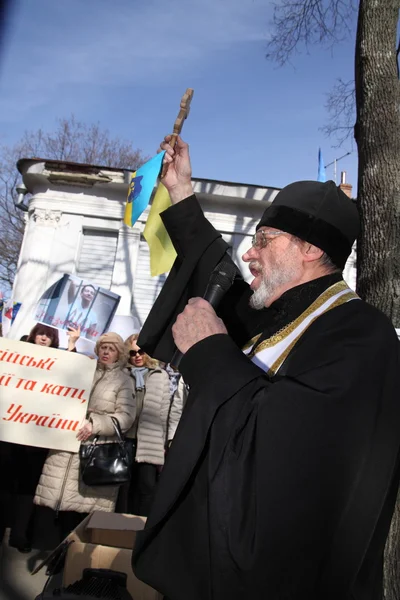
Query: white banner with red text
point(44, 395)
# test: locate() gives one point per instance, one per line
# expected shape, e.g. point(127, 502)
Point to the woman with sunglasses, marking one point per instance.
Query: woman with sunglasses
point(157, 417)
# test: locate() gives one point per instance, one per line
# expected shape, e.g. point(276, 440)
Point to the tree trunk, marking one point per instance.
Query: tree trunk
point(377, 133)
point(392, 558)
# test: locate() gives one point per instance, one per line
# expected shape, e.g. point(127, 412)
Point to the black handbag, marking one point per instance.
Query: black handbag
point(109, 463)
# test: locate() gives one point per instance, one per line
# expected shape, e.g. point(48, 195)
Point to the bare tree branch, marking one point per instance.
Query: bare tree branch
point(307, 22)
point(70, 141)
point(341, 109)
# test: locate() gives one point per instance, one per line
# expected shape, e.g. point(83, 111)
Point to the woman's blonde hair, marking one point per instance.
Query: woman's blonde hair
point(117, 341)
point(149, 362)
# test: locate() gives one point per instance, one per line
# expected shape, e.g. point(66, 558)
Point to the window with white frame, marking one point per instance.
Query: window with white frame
point(97, 256)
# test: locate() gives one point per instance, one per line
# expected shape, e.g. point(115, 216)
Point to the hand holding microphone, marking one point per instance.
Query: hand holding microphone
point(199, 319)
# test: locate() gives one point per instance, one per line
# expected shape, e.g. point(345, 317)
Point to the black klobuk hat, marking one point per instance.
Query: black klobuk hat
point(318, 213)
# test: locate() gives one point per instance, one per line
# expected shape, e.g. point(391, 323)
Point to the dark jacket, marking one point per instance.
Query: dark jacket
point(279, 487)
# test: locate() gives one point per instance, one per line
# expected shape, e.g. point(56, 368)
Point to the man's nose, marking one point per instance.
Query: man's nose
point(250, 254)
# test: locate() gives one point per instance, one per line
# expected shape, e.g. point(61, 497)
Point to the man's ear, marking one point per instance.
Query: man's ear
point(311, 252)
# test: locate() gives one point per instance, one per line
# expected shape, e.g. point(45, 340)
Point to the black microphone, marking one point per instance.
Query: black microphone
point(221, 279)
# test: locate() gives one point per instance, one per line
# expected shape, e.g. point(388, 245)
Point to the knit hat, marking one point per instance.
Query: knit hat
point(117, 341)
point(318, 213)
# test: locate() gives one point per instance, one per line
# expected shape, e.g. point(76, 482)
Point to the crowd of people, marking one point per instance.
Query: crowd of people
point(142, 395)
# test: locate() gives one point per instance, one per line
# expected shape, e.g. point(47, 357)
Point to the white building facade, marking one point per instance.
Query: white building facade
point(74, 225)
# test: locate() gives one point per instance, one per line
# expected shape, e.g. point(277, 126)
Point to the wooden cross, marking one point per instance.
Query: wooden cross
point(182, 115)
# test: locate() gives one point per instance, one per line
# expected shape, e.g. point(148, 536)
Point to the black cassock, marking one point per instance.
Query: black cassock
point(275, 488)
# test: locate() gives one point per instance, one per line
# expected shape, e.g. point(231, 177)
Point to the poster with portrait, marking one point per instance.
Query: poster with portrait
point(73, 302)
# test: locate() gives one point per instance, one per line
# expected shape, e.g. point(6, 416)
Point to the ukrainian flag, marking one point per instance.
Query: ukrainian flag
point(162, 252)
point(141, 187)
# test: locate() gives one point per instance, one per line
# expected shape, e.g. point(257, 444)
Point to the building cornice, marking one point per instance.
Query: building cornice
point(42, 175)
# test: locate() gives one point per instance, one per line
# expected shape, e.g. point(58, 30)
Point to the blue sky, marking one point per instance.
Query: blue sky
point(126, 64)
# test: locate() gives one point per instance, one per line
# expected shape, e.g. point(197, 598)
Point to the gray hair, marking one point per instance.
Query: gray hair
point(327, 263)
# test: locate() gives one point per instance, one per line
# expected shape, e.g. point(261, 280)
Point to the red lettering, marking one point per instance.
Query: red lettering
point(30, 385)
point(5, 380)
point(53, 419)
point(16, 415)
point(41, 363)
point(80, 397)
point(15, 358)
point(74, 393)
point(57, 389)
point(13, 412)
point(47, 388)
point(21, 362)
point(32, 418)
point(66, 424)
point(25, 416)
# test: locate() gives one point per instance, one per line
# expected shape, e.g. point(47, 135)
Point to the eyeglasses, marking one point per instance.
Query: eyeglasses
point(260, 239)
point(133, 353)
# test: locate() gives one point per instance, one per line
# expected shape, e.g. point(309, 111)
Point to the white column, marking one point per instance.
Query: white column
point(48, 251)
point(125, 266)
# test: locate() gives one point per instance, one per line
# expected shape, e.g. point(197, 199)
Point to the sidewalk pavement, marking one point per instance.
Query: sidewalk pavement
point(16, 581)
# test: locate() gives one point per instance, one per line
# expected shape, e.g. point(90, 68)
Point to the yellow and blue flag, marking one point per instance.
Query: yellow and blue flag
point(162, 252)
point(141, 187)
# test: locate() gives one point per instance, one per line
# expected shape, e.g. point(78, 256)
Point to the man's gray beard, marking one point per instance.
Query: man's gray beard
point(268, 286)
point(261, 295)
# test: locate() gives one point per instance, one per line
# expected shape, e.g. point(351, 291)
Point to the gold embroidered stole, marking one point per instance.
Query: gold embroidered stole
point(271, 353)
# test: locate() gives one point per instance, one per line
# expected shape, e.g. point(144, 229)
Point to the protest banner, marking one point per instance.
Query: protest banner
point(74, 302)
point(44, 395)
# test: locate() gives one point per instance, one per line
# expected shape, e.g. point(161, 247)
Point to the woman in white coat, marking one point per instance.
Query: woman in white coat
point(157, 417)
point(60, 487)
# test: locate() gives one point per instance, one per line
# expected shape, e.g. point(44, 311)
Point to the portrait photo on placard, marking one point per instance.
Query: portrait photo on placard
point(77, 303)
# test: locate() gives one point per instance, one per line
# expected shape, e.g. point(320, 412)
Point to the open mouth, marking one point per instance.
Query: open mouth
point(256, 271)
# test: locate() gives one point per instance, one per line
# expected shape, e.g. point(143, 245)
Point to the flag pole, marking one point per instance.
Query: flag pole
point(334, 163)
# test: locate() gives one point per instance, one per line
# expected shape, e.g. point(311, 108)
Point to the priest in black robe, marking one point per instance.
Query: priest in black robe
point(283, 474)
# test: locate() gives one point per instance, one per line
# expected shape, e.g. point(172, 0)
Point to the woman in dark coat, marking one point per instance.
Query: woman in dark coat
point(21, 466)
